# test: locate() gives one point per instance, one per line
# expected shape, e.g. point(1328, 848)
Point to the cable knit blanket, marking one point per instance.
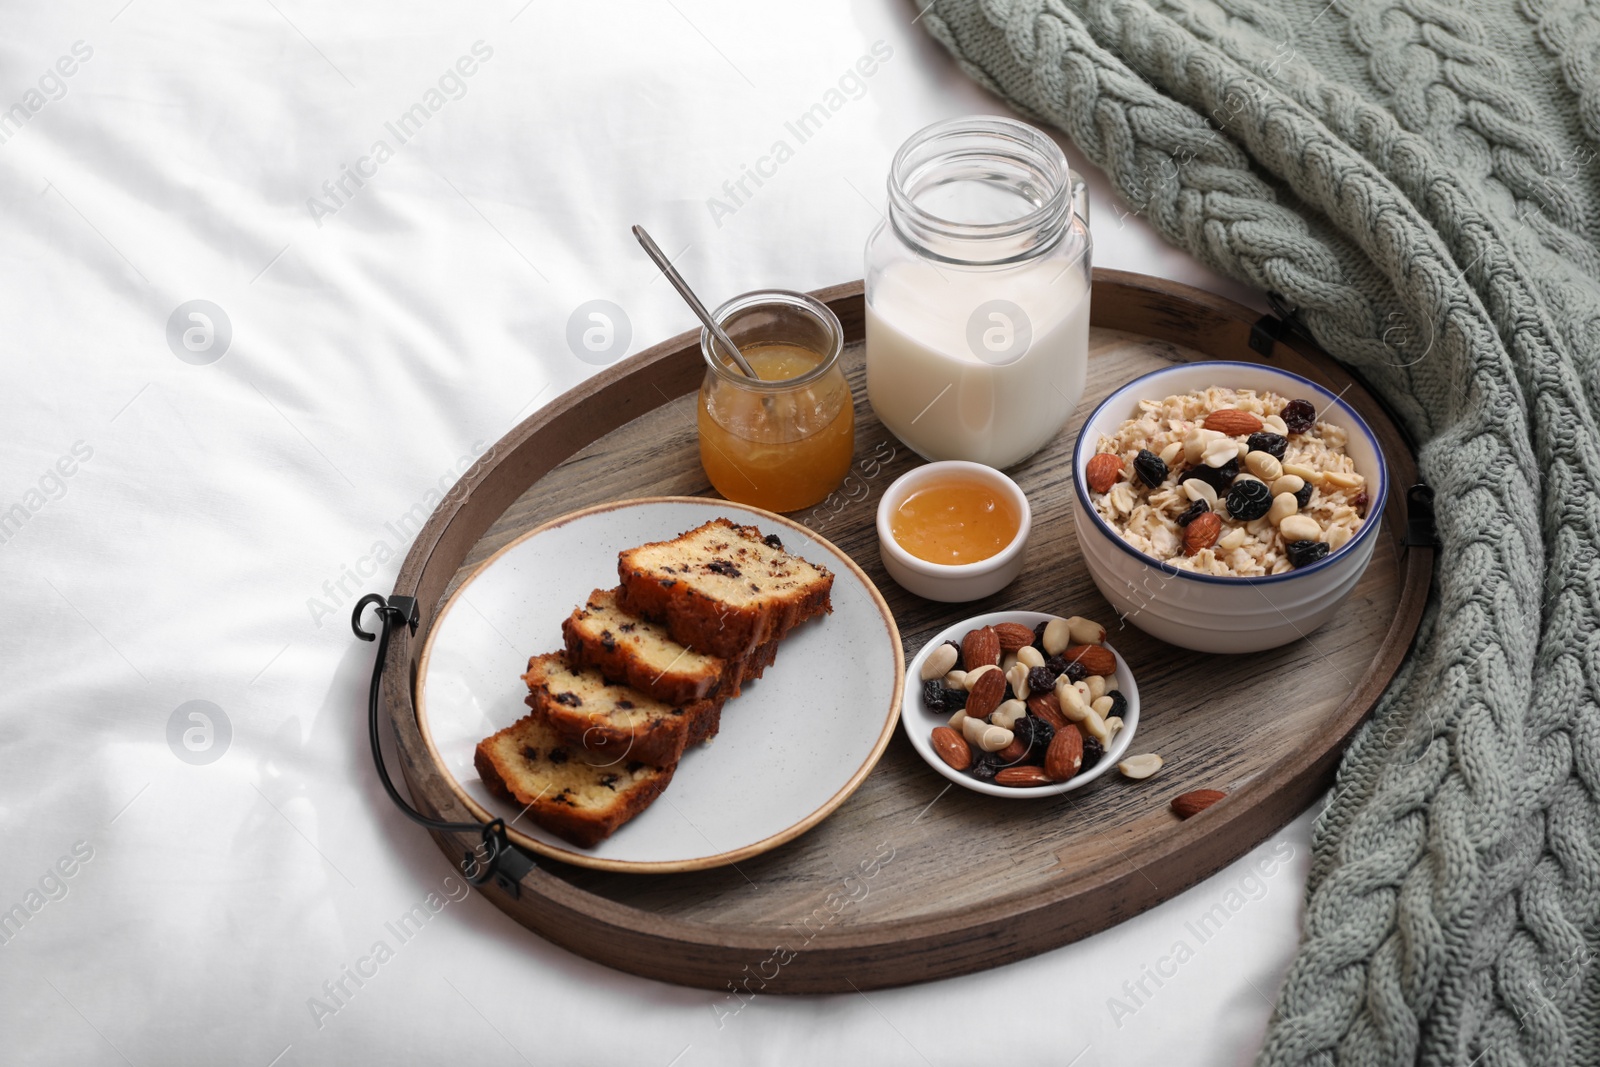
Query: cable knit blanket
point(1419, 179)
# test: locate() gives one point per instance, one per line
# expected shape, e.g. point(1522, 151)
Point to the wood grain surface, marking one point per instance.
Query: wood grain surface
point(912, 879)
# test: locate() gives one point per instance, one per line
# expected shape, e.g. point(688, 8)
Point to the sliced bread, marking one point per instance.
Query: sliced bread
point(615, 721)
point(575, 794)
point(637, 652)
point(723, 589)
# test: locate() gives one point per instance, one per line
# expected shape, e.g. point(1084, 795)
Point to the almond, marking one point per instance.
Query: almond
point(1014, 637)
point(1096, 659)
point(952, 748)
point(986, 694)
point(1012, 752)
point(1064, 756)
point(1195, 801)
point(980, 648)
point(1022, 776)
point(1101, 471)
point(1202, 532)
point(1233, 422)
point(1047, 707)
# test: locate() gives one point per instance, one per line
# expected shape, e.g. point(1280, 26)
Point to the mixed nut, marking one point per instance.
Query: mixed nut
point(1028, 706)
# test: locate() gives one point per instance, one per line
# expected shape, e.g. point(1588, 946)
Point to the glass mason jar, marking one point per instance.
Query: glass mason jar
point(785, 442)
point(977, 292)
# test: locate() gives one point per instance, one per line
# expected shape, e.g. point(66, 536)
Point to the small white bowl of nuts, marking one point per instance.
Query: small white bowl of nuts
point(1021, 704)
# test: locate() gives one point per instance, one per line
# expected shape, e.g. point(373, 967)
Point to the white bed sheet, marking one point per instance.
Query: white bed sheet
point(191, 530)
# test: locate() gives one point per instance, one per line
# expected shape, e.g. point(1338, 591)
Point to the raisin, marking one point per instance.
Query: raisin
point(1119, 703)
point(984, 766)
point(625, 705)
point(1362, 502)
point(1299, 416)
point(1074, 671)
point(957, 646)
point(608, 641)
point(955, 699)
point(933, 692)
point(571, 700)
point(1093, 753)
point(1193, 512)
point(558, 756)
point(530, 753)
point(610, 782)
point(723, 567)
point(1303, 496)
point(1302, 553)
point(1041, 680)
point(1249, 499)
point(771, 541)
point(1035, 733)
point(1218, 478)
point(1038, 635)
point(633, 767)
point(1273, 444)
point(1150, 468)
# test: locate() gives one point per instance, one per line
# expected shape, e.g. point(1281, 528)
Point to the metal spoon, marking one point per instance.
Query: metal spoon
point(718, 334)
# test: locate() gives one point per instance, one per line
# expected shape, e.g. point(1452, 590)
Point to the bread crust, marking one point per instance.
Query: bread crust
point(496, 758)
point(659, 740)
point(698, 620)
point(617, 662)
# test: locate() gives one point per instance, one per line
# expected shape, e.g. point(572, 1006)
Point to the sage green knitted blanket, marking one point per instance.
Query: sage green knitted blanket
point(1418, 178)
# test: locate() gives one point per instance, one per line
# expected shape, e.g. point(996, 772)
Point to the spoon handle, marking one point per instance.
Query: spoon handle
point(717, 332)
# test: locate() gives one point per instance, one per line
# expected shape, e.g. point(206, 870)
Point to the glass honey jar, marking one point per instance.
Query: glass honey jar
point(784, 442)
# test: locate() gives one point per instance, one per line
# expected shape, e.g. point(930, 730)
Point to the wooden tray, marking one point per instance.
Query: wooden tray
point(911, 879)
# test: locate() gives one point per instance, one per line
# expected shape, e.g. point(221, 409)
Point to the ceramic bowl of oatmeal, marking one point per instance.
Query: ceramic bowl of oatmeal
point(1227, 507)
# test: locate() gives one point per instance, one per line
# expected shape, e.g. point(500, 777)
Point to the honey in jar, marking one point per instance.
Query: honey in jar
point(785, 441)
point(955, 521)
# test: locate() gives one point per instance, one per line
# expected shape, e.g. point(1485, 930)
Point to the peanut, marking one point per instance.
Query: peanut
point(1095, 727)
point(1197, 490)
point(1114, 725)
point(1283, 505)
point(1097, 686)
point(1233, 538)
point(955, 680)
point(1343, 480)
point(972, 676)
point(1170, 453)
point(1102, 705)
point(1311, 476)
point(1141, 766)
point(1071, 701)
point(1030, 656)
point(1057, 637)
point(1220, 451)
point(939, 662)
point(1276, 424)
point(957, 719)
point(1300, 528)
point(1264, 465)
point(1007, 714)
point(1085, 631)
point(1018, 677)
point(1288, 483)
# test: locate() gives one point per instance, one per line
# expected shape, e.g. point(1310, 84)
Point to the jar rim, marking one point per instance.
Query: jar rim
point(793, 300)
point(1026, 144)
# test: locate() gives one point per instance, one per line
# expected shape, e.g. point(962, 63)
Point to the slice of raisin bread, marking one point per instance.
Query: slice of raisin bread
point(578, 795)
point(634, 651)
point(616, 721)
point(723, 589)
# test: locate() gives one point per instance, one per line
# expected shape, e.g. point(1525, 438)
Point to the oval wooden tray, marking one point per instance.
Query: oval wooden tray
point(910, 879)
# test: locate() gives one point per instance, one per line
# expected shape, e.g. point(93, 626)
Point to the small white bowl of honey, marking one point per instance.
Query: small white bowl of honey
point(953, 531)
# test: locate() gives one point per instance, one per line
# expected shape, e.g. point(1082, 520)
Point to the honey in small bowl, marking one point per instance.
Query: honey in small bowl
point(955, 520)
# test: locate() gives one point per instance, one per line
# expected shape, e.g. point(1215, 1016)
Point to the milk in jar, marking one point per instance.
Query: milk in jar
point(977, 293)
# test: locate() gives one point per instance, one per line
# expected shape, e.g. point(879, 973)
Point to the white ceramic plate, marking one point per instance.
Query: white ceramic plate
point(919, 721)
point(792, 747)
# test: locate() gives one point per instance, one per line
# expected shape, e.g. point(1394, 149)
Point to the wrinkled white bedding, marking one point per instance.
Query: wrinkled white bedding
point(391, 214)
